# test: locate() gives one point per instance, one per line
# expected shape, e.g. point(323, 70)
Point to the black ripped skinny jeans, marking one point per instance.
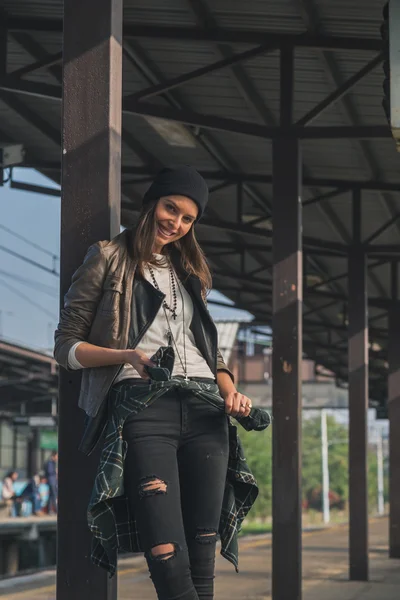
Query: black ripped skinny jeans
point(181, 442)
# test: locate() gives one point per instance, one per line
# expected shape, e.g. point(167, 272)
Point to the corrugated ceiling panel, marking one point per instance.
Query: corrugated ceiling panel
point(48, 9)
point(271, 15)
point(351, 17)
point(174, 12)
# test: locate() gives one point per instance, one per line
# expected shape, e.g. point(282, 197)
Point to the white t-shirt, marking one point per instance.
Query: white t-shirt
point(7, 490)
point(156, 336)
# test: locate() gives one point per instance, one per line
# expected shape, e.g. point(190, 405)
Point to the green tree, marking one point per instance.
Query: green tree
point(257, 446)
point(312, 457)
point(258, 451)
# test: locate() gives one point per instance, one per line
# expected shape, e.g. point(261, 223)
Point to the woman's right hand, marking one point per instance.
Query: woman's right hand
point(138, 359)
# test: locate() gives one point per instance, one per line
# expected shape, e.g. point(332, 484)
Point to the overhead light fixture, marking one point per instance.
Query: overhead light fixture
point(11, 154)
point(375, 347)
point(267, 224)
point(313, 279)
point(175, 134)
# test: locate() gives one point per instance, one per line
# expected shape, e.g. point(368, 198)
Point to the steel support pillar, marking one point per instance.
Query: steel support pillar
point(33, 452)
point(90, 211)
point(287, 353)
point(358, 402)
point(394, 418)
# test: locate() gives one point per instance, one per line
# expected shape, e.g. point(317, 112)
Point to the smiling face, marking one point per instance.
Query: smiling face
point(174, 217)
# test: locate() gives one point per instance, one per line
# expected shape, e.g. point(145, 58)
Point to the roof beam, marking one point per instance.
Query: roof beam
point(229, 61)
point(212, 34)
point(48, 61)
point(211, 122)
point(54, 91)
point(231, 245)
point(344, 275)
point(324, 182)
point(340, 91)
point(325, 196)
point(244, 84)
point(243, 277)
point(218, 123)
point(378, 232)
point(15, 104)
point(312, 20)
point(30, 88)
point(378, 302)
point(377, 249)
point(35, 50)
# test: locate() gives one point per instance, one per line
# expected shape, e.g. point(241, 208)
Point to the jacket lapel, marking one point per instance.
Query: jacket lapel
point(145, 306)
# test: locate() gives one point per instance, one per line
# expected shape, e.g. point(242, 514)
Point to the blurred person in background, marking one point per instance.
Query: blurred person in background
point(31, 493)
point(8, 494)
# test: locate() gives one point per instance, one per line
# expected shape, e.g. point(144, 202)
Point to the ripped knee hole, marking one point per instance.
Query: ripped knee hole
point(150, 486)
point(163, 552)
point(206, 537)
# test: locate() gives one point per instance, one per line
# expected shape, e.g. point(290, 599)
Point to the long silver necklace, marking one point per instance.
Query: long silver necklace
point(172, 285)
point(170, 336)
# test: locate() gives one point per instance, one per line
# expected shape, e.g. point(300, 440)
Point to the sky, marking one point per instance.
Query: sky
point(29, 294)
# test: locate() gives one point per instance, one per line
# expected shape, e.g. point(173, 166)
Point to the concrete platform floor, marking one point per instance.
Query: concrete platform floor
point(325, 572)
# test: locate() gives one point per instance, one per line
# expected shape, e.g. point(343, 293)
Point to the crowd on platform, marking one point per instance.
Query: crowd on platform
point(31, 493)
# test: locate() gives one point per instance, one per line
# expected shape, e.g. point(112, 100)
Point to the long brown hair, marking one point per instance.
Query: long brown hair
point(187, 249)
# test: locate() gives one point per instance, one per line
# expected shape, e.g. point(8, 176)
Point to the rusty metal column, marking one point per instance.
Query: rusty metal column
point(287, 351)
point(33, 452)
point(394, 417)
point(90, 211)
point(358, 401)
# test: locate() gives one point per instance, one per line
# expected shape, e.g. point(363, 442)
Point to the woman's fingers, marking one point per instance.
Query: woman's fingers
point(229, 404)
point(237, 405)
point(142, 372)
point(140, 368)
point(247, 411)
point(240, 405)
point(232, 404)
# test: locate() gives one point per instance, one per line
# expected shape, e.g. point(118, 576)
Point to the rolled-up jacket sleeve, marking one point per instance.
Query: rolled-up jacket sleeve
point(80, 303)
point(222, 366)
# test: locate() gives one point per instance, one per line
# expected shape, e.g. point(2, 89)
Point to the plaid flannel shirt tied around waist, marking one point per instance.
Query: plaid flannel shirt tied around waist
point(110, 519)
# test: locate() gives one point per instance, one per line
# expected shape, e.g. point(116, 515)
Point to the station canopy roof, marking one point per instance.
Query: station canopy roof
point(28, 380)
point(182, 63)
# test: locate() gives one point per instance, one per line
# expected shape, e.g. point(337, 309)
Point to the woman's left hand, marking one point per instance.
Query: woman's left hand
point(237, 405)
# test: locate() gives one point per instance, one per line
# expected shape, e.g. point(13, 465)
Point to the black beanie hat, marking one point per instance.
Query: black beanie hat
point(179, 181)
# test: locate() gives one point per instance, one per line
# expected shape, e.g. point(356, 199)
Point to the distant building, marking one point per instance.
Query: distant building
point(250, 359)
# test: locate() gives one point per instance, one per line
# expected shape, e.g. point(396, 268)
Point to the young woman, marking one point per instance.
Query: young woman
point(8, 492)
point(172, 473)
